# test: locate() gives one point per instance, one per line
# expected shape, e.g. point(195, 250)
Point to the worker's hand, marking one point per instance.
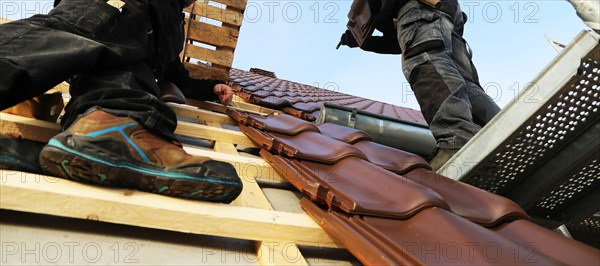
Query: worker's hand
point(348, 40)
point(224, 92)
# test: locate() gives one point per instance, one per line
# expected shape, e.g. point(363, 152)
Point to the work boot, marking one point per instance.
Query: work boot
point(20, 154)
point(441, 157)
point(115, 151)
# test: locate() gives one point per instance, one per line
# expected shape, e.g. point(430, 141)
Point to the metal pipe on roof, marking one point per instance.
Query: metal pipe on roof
point(400, 134)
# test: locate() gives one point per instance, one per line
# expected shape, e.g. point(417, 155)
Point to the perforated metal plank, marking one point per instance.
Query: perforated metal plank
point(587, 231)
point(513, 155)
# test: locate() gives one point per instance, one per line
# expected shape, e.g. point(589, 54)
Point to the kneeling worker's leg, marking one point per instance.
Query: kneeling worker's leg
point(123, 138)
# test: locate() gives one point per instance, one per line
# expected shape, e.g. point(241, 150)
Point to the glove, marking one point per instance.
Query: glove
point(348, 40)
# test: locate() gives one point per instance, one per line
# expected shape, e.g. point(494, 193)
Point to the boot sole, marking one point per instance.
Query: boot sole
point(77, 166)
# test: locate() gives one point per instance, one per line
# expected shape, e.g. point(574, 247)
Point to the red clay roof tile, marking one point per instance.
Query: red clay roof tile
point(297, 92)
point(554, 245)
point(433, 236)
point(359, 187)
point(397, 161)
point(342, 133)
point(282, 124)
point(469, 202)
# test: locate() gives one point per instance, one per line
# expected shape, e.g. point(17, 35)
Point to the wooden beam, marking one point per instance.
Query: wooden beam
point(37, 130)
point(222, 109)
point(254, 108)
point(203, 72)
point(216, 107)
point(212, 133)
point(223, 147)
point(252, 196)
point(279, 253)
point(237, 4)
point(246, 167)
point(60, 197)
point(216, 13)
point(203, 116)
point(222, 58)
point(211, 34)
point(27, 128)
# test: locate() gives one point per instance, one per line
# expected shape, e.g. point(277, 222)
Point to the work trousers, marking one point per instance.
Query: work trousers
point(102, 50)
point(436, 61)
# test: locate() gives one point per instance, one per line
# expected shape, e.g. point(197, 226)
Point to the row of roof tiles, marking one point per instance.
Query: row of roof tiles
point(387, 206)
point(268, 91)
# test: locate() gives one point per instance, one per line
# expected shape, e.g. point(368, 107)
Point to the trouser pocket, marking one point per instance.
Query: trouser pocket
point(91, 18)
point(420, 31)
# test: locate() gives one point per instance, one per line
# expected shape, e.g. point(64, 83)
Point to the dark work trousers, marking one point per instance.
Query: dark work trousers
point(437, 64)
point(102, 51)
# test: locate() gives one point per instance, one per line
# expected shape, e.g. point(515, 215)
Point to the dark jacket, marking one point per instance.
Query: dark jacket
point(382, 15)
point(164, 46)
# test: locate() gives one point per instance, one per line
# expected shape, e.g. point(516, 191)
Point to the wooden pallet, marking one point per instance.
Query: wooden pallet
point(211, 32)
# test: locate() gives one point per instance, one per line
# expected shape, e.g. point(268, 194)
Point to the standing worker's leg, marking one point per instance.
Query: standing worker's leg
point(484, 108)
point(426, 38)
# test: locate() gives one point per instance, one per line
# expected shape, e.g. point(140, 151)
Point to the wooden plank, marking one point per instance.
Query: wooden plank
point(222, 58)
point(212, 133)
point(212, 106)
point(211, 34)
point(24, 192)
point(237, 4)
point(222, 109)
point(246, 167)
point(223, 147)
point(252, 196)
point(28, 128)
point(202, 72)
point(279, 253)
point(203, 116)
point(33, 129)
point(220, 14)
point(255, 108)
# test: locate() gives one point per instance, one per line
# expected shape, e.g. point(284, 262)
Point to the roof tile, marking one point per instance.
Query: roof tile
point(397, 161)
point(342, 133)
point(307, 145)
point(282, 124)
point(297, 92)
point(556, 246)
point(424, 239)
point(343, 186)
point(469, 202)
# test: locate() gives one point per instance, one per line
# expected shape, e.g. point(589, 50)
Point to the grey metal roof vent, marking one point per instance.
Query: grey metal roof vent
point(400, 134)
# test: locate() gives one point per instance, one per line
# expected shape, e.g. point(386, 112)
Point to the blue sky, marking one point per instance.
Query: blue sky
point(297, 39)
point(507, 38)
